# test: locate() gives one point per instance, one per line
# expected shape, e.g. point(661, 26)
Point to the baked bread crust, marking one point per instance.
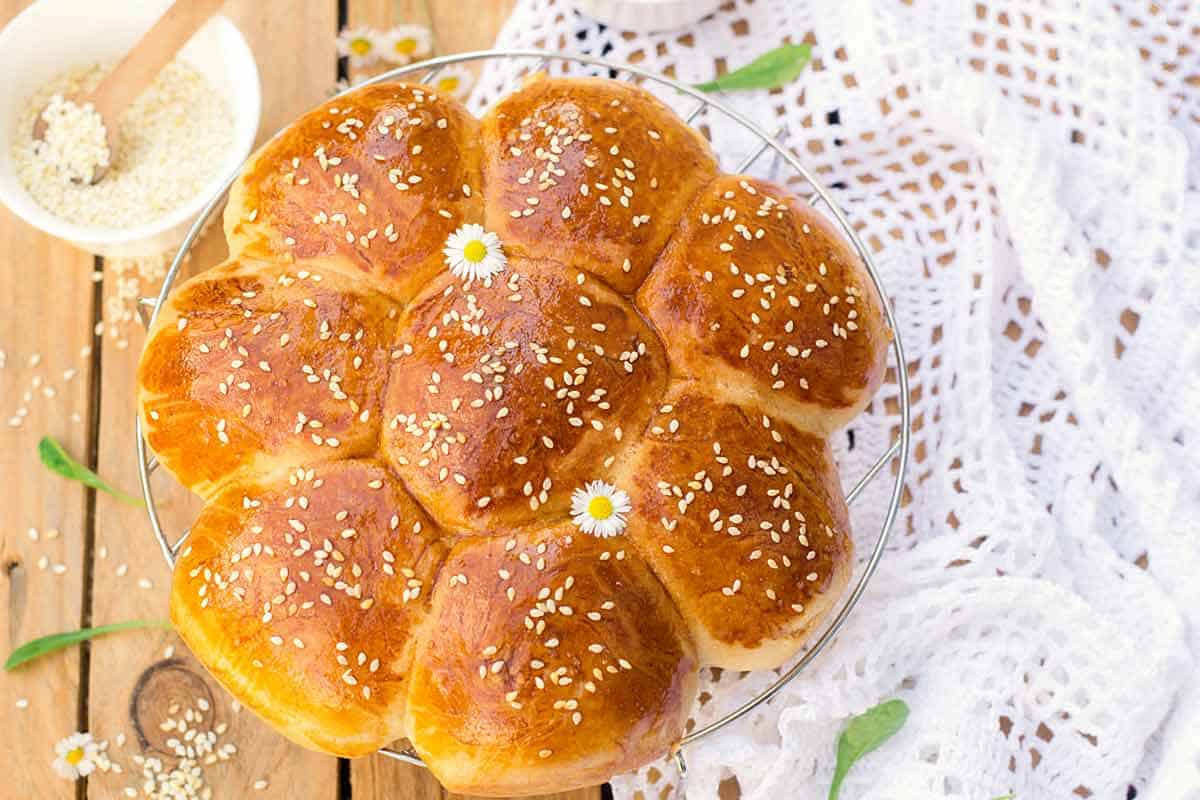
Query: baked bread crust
point(254, 367)
point(302, 591)
point(742, 518)
point(548, 646)
point(758, 293)
point(371, 183)
point(545, 397)
point(590, 170)
point(388, 452)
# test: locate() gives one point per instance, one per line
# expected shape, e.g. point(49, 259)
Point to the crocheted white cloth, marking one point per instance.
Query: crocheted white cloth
point(1022, 171)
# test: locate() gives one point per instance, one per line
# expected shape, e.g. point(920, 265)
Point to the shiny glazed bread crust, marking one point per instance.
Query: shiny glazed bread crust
point(581, 659)
point(388, 452)
point(302, 590)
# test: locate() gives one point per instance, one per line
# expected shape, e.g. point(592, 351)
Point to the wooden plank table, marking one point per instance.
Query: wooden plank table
point(72, 557)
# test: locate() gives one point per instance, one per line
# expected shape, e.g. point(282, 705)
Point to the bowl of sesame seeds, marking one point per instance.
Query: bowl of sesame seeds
point(178, 141)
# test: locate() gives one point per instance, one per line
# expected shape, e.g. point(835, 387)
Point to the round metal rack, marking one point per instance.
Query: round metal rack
point(528, 62)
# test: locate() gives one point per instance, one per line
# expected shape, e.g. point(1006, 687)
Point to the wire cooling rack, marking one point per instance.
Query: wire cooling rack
point(530, 61)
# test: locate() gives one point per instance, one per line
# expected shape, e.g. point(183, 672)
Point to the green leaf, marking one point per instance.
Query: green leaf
point(863, 734)
point(57, 460)
point(771, 70)
point(1009, 796)
point(57, 641)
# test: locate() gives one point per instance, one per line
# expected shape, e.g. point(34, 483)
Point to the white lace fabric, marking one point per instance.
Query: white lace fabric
point(1028, 176)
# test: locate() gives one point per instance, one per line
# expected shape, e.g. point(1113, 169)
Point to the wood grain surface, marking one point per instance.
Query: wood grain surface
point(92, 560)
point(45, 330)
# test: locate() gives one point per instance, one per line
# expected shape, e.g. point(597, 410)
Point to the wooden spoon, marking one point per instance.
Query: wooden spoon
point(139, 67)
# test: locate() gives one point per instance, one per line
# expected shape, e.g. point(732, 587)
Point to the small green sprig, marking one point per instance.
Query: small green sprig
point(863, 734)
point(57, 641)
point(57, 460)
point(771, 70)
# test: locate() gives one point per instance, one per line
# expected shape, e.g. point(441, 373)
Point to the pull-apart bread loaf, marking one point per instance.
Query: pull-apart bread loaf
point(505, 428)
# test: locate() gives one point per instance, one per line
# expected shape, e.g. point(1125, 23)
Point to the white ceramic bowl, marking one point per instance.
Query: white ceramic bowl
point(53, 35)
point(648, 16)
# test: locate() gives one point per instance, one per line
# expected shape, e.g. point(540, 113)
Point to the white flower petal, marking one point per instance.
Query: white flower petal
point(455, 81)
point(87, 762)
point(404, 44)
point(609, 526)
point(350, 42)
point(492, 263)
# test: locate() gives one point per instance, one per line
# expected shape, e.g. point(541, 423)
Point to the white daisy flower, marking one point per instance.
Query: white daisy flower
point(599, 508)
point(472, 252)
point(78, 755)
point(454, 80)
point(405, 43)
point(360, 45)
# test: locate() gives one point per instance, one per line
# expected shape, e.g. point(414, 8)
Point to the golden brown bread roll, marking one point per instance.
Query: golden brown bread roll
point(547, 647)
point(301, 591)
point(371, 183)
point(758, 292)
point(505, 500)
point(254, 367)
point(494, 414)
point(742, 518)
point(592, 171)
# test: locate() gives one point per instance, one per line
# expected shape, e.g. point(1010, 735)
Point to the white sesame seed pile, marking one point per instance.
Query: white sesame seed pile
point(194, 746)
point(75, 143)
point(170, 144)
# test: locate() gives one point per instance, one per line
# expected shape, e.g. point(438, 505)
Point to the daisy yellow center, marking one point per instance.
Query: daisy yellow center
point(475, 251)
point(74, 756)
point(360, 46)
point(448, 84)
point(406, 47)
point(600, 507)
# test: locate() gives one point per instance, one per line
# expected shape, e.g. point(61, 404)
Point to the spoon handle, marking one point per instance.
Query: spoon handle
point(153, 51)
